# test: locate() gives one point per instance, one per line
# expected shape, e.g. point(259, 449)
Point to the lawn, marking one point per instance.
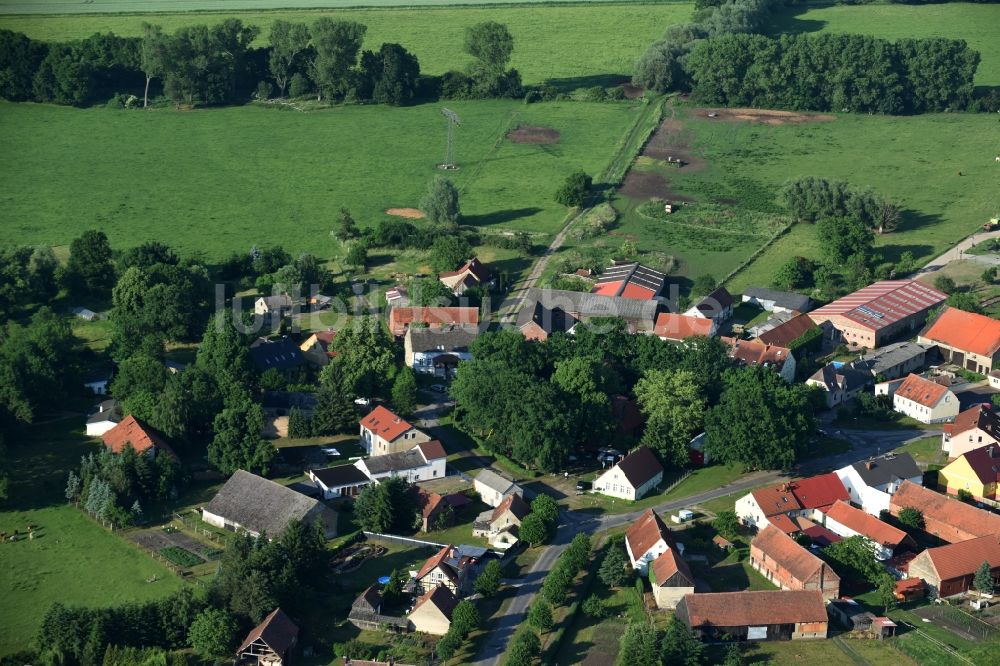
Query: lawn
point(72, 559)
point(434, 34)
point(926, 451)
point(975, 23)
point(220, 180)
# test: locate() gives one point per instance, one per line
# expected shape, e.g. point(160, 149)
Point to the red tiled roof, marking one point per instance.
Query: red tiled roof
point(473, 266)
point(909, 584)
point(385, 424)
point(967, 331)
point(277, 630)
point(784, 550)
point(400, 318)
point(963, 558)
point(131, 431)
point(441, 597)
point(432, 450)
point(741, 609)
point(753, 352)
point(921, 391)
point(784, 523)
point(776, 500)
point(819, 492)
point(946, 513)
point(787, 333)
point(980, 416)
point(428, 501)
point(435, 560)
point(645, 532)
point(985, 462)
point(881, 304)
point(673, 326)
point(866, 524)
point(668, 564)
point(820, 535)
point(514, 504)
point(630, 280)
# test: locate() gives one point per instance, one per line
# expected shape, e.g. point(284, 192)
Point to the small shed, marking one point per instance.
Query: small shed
point(910, 589)
point(722, 542)
point(270, 641)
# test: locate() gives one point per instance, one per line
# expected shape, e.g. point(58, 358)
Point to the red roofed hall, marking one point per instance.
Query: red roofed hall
point(870, 316)
point(944, 517)
point(848, 521)
point(780, 559)
point(949, 570)
point(808, 498)
point(383, 432)
point(966, 339)
point(142, 438)
point(763, 615)
point(676, 327)
point(434, 317)
point(630, 280)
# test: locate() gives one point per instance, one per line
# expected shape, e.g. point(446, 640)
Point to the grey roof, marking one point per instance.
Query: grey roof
point(449, 339)
point(260, 505)
point(584, 306)
point(395, 462)
point(634, 273)
point(848, 377)
point(640, 466)
point(785, 299)
point(715, 303)
point(281, 354)
point(341, 475)
point(887, 357)
point(773, 322)
point(492, 480)
point(882, 470)
point(107, 410)
point(549, 320)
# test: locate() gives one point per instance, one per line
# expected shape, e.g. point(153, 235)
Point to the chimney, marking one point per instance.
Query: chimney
point(870, 464)
point(990, 451)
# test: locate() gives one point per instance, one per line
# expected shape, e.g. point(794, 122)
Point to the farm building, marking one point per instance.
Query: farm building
point(870, 316)
point(671, 579)
point(976, 471)
point(253, 504)
point(840, 383)
point(946, 518)
point(423, 462)
point(773, 300)
point(630, 280)
point(143, 439)
point(634, 476)
point(438, 351)
point(500, 525)
point(339, 481)
point(677, 327)
point(925, 401)
point(270, 642)
point(453, 567)
point(896, 360)
point(884, 539)
point(493, 488)
point(772, 615)
point(383, 432)
point(967, 339)
point(717, 306)
point(949, 570)
point(757, 353)
point(639, 315)
point(105, 416)
point(870, 483)
point(540, 322)
point(778, 505)
point(974, 428)
point(791, 334)
point(471, 274)
point(282, 355)
point(400, 318)
point(273, 306)
point(780, 559)
point(646, 539)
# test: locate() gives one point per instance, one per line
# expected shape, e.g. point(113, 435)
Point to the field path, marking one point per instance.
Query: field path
point(958, 252)
point(619, 165)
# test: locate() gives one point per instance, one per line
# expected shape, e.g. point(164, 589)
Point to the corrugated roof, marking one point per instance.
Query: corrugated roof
point(385, 424)
point(883, 303)
point(785, 299)
point(261, 505)
point(866, 524)
point(966, 331)
point(963, 558)
point(921, 391)
point(741, 609)
point(672, 326)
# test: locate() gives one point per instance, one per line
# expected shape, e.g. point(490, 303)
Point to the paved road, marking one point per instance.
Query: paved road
point(958, 252)
point(866, 443)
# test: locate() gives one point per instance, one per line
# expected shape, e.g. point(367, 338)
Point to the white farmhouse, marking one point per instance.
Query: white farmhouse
point(423, 462)
point(634, 476)
point(870, 483)
point(493, 489)
point(646, 539)
point(925, 401)
point(383, 432)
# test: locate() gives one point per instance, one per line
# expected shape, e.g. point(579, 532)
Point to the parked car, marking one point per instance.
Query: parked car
point(584, 485)
point(364, 402)
point(330, 451)
point(439, 388)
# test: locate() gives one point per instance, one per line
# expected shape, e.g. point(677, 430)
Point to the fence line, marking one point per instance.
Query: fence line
point(403, 541)
point(678, 481)
point(192, 525)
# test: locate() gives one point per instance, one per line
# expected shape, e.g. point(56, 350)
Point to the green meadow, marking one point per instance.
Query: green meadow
point(978, 24)
point(562, 43)
point(219, 180)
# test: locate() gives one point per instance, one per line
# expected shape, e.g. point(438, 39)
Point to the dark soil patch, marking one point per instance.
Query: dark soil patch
point(764, 116)
point(632, 92)
point(533, 134)
point(643, 185)
point(158, 540)
point(672, 141)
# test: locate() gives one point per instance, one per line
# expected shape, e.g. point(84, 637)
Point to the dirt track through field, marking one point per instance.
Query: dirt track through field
point(534, 135)
point(764, 116)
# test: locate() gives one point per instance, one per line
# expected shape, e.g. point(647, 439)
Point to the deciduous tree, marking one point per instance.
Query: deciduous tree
point(675, 411)
point(540, 615)
point(288, 44)
point(213, 633)
point(440, 205)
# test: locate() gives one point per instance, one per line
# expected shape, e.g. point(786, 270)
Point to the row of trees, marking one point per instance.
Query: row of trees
point(217, 64)
point(857, 73)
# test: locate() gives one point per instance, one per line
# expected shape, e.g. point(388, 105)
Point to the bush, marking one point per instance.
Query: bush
point(945, 284)
point(264, 90)
point(299, 85)
point(598, 222)
point(594, 607)
point(532, 96)
point(574, 191)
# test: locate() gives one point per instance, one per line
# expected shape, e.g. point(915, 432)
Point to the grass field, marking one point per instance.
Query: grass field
point(604, 39)
point(975, 23)
point(220, 180)
point(72, 560)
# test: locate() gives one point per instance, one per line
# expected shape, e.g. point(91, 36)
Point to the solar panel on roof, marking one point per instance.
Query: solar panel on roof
point(864, 309)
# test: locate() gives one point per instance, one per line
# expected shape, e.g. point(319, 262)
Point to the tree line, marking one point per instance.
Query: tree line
point(218, 64)
point(722, 59)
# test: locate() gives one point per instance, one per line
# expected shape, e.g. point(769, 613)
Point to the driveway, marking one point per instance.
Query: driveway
point(957, 253)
